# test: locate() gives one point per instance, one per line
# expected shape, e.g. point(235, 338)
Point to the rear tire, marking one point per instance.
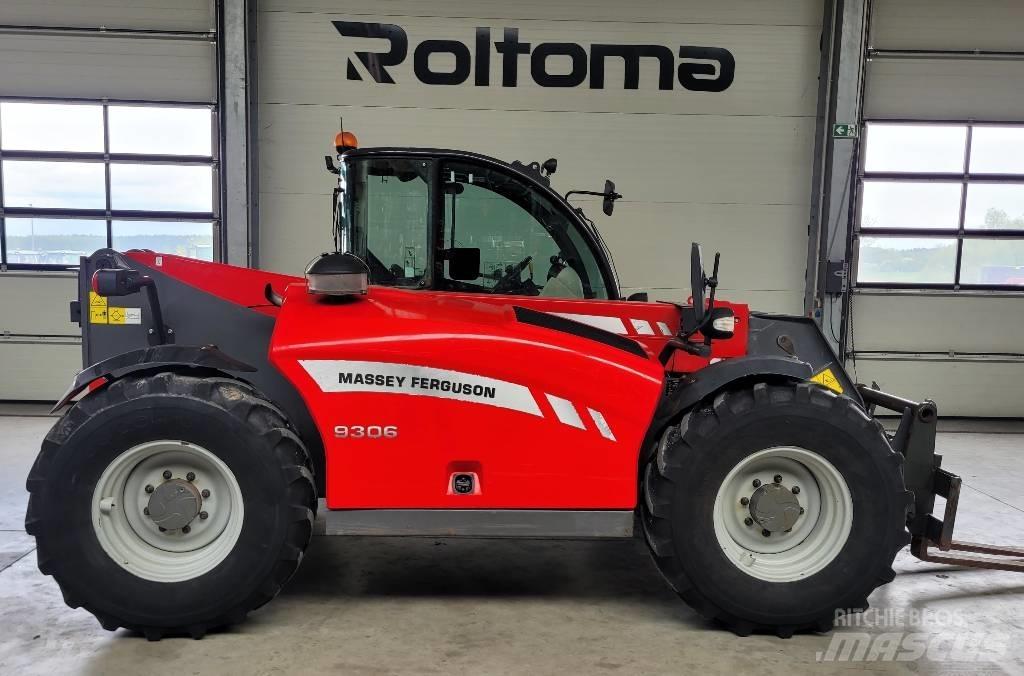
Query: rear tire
point(846, 520)
point(97, 532)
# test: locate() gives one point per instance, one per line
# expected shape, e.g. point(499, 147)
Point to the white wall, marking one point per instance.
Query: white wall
point(729, 169)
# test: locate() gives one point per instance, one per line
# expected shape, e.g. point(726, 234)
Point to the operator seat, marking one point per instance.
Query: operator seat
point(566, 284)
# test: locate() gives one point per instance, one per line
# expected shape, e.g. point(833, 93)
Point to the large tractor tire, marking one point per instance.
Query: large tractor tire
point(775, 508)
point(171, 504)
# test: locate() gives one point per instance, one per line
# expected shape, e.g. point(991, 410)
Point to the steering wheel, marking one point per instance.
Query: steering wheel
point(510, 281)
point(698, 282)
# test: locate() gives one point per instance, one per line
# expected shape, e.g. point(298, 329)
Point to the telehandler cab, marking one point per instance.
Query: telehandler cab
point(428, 377)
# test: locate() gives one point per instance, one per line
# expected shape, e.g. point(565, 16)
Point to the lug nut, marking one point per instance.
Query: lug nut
point(765, 532)
point(801, 510)
point(145, 510)
point(149, 489)
point(204, 515)
point(191, 476)
point(796, 490)
point(757, 483)
point(186, 529)
point(748, 521)
point(205, 493)
point(167, 474)
point(744, 501)
point(778, 478)
point(162, 529)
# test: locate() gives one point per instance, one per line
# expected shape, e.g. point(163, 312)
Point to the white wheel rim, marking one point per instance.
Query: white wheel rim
point(134, 540)
point(819, 532)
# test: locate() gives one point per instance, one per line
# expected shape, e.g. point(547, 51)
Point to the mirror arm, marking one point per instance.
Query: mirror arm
point(712, 284)
point(609, 195)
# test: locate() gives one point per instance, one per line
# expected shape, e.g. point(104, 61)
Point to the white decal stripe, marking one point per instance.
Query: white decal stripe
point(612, 324)
point(602, 424)
point(642, 326)
point(565, 411)
point(371, 376)
point(664, 329)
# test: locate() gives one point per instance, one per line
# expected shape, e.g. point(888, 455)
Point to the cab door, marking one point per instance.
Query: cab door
point(528, 245)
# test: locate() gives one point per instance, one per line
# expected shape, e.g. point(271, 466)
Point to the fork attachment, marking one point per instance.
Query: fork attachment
point(924, 476)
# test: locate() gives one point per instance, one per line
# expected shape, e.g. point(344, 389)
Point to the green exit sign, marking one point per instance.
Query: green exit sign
point(843, 130)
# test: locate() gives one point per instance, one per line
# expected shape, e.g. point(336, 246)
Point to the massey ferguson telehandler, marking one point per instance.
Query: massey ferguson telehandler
point(463, 364)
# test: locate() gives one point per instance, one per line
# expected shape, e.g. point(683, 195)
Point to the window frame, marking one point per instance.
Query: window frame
point(107, 158)
point(964, 178)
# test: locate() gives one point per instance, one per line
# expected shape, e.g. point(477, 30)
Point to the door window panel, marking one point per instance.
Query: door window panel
point(995, 206)
point(993, 261)
point(64, 127)
point(997, 150)
point(527, 245)
point(182, 238)
point(906, 260)
point(925, 148)
point(905, 204)
point(54, 185)
point(52, 241)
point(161, 187)
point(161, 131)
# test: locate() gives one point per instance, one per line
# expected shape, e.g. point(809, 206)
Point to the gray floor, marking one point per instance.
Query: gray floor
point(390, 606)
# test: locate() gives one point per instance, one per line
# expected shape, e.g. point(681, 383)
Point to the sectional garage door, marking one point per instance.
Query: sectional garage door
point(939, 310)
point(52, 52)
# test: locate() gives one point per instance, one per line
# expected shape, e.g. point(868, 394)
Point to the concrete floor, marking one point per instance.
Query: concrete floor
point(425, 606)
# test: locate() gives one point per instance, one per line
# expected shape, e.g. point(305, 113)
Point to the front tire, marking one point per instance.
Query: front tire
point(775, 508)
point(171, 504)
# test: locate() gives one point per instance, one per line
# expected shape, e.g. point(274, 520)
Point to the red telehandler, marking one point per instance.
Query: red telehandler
point(463, 364)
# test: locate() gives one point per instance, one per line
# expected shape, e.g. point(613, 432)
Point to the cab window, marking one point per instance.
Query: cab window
point(389, 218)
point(527, 246)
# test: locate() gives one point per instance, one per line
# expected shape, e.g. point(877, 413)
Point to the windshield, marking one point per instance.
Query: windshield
point(381, 216)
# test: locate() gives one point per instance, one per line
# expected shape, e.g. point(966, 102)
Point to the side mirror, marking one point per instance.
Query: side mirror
point(698, 281)
point(464, 263)
point(608, 205)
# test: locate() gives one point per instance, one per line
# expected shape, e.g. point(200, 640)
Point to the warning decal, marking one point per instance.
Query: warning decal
point(124, 315)
point(828, 379)
point(97, 308)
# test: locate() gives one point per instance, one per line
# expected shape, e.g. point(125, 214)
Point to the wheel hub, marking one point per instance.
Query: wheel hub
point(167, 510)
point(775, 508)
point(174, 504)
point(782, 513)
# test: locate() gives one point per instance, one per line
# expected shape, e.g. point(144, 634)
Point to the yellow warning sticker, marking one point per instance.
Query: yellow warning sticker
point(97, 308)
point(124, 315)
point(828, 379)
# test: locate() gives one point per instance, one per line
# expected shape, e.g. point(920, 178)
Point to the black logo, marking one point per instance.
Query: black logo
point(700, 69)
point(463, 484)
